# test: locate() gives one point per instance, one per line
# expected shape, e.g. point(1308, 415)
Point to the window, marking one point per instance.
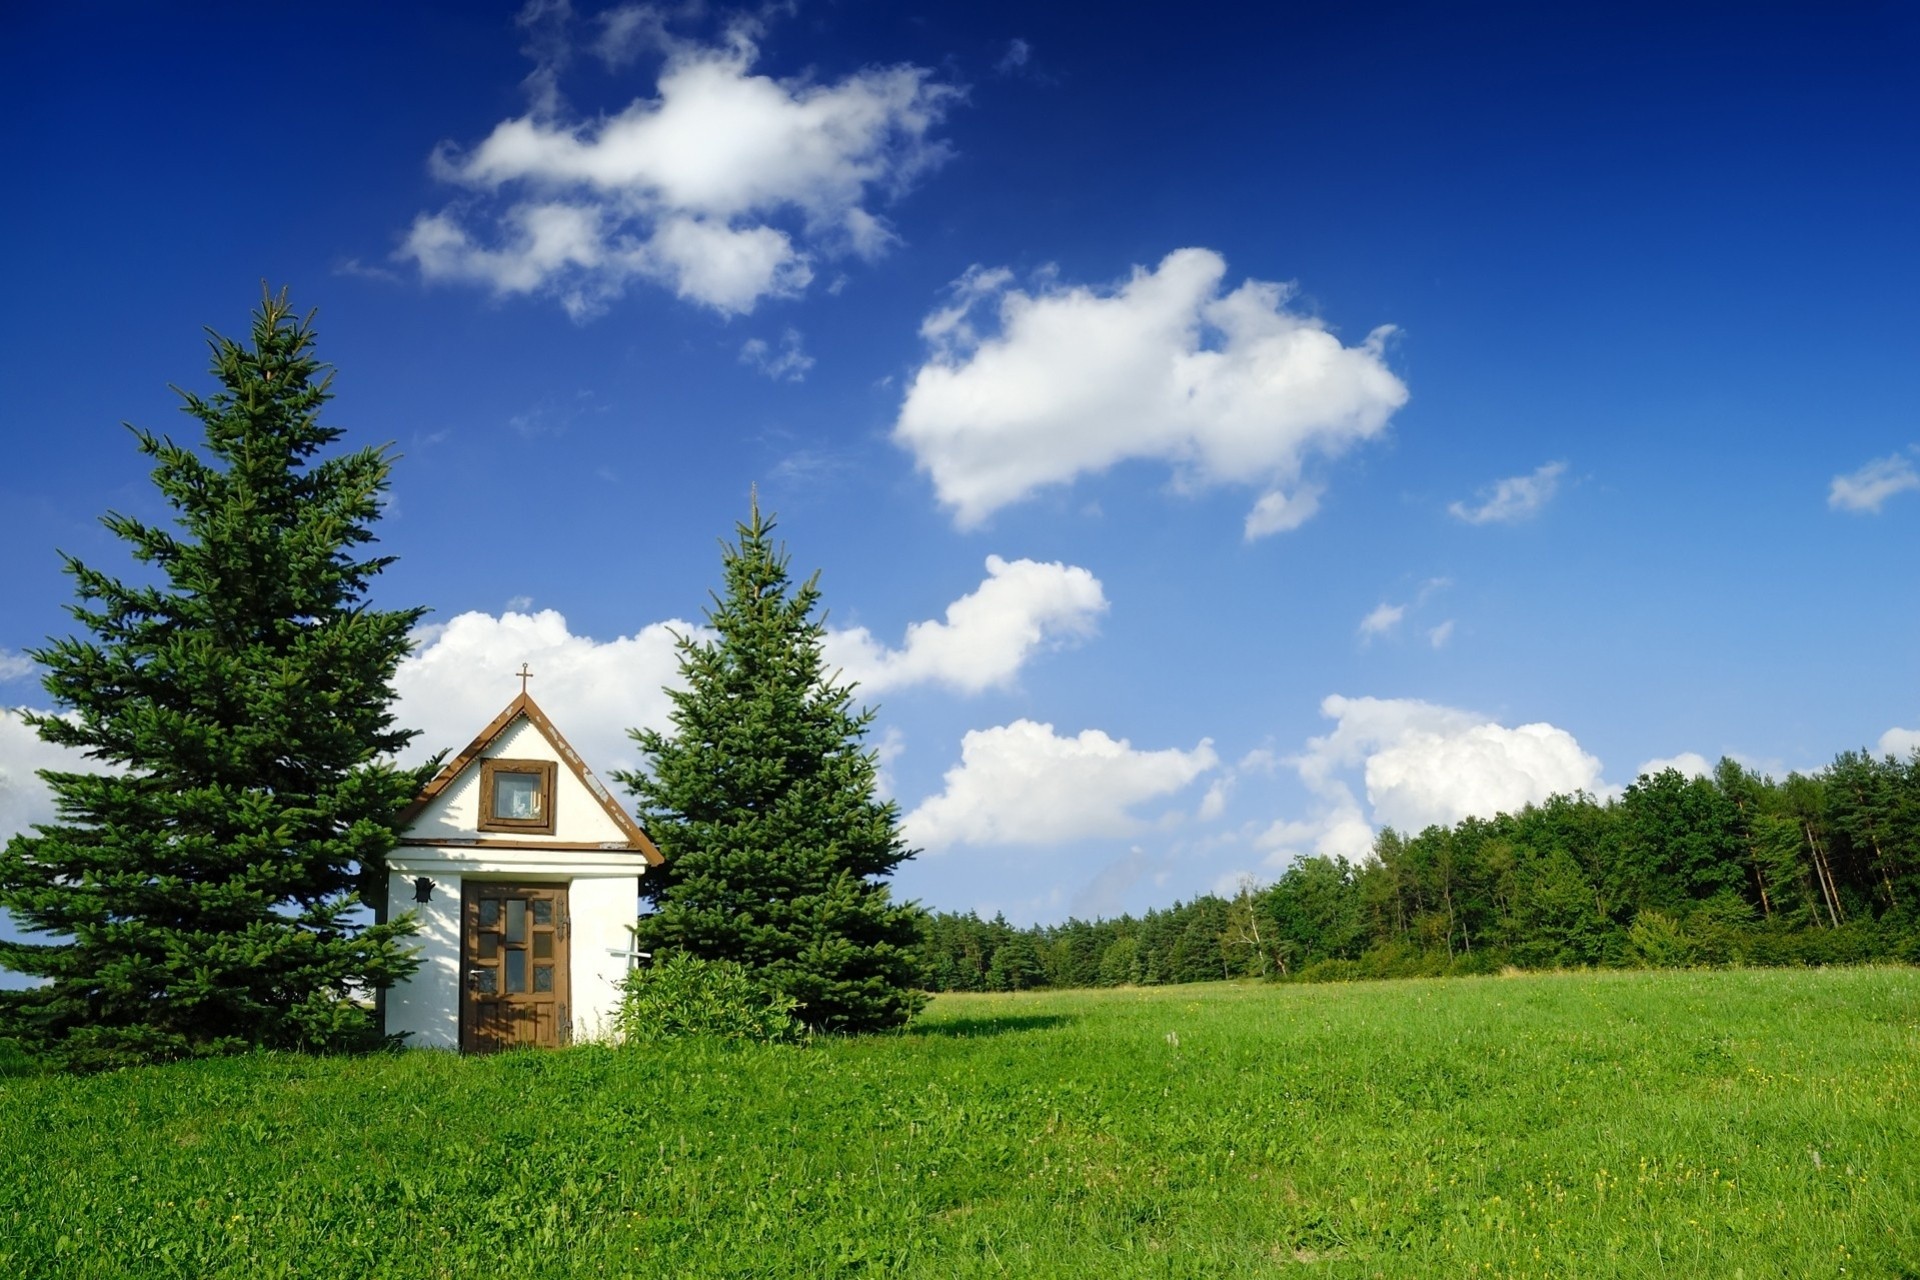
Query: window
point(516, 795)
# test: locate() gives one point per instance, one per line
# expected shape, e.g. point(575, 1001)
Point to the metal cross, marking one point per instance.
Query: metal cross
point(630, 955)
point(525, 675)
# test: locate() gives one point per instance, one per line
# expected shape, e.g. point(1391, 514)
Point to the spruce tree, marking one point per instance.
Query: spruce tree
point(762, 803)
point(198, 895)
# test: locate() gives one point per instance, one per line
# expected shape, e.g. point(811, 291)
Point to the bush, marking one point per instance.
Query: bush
point(683, 995)
point(1656, 941)
point(15, 1061)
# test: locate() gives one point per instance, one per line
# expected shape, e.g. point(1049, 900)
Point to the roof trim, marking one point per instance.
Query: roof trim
point(523, 706)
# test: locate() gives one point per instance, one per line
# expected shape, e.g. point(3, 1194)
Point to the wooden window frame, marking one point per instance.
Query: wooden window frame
point(531, 826)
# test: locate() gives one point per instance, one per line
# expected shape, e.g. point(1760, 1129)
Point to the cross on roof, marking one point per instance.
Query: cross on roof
point(525, 675)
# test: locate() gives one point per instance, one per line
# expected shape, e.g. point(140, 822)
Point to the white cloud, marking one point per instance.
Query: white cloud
point(14, 666)
point(1227, 388)
point(1900, 742)
point(1691, 764)
point(1023, 784)
point(789, 364)
point(1384, 618)
point(1021, 607)
point(1514, 499)
point(1018, 54)
point(724, 186)
point(1422, 763)
point(24, 799)
point(461, 676)
point(1340, 831)
point(1277, 511)
point(1865, 490)
point(1439, 635)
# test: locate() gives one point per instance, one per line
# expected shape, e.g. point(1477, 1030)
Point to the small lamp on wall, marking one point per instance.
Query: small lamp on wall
point(423, 890)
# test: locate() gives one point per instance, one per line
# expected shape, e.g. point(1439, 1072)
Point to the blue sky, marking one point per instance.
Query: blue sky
point(1220, 434)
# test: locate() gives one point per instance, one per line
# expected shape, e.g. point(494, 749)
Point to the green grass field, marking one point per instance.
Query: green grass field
point(1706, 1123)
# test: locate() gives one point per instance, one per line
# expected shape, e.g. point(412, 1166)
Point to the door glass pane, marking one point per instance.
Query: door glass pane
point(543, 977)
point(517, 796)
point(489, 913)
point(516, 969)
point(516, 920)
point(543, 946)
point(543, 910)
point(488, 945)
point(483, 981)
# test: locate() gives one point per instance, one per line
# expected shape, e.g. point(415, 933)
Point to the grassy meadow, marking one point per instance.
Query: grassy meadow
point(1742, 1123)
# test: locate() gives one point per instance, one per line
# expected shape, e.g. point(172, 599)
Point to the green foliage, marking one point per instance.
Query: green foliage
point(1727, 870)
point(199, 894)
point(762, 803)
point(1016, 966)
point(682, 995)
point(1698, 1123)
point(1656, 941)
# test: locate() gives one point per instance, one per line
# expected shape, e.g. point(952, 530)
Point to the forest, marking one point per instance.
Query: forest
point(1735, 868)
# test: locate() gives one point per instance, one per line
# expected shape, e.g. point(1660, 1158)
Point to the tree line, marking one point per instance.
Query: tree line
point(1731, 868)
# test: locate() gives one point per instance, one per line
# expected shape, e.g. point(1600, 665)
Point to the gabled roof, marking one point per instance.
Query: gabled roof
point(525, 707)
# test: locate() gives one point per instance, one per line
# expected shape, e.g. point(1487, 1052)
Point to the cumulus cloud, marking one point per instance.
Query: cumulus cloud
point(1426, 764)
point(1419, 764)
point(460, 677)
point(1690, 764)
point(15, 666)
point(1022, 607)
point(1277, 511)
point(1338, 831)
point(788, 364)
point(1512, 500)
point(1863, 492)
point(24, 799)
point(1022, 783)
point(724, 186)
point(1225, 387)
point(1384, 618)
point(1900, 742)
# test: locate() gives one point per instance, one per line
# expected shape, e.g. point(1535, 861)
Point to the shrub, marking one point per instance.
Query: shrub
point(1656, 941)
point(683, 995)
point(15, 1061)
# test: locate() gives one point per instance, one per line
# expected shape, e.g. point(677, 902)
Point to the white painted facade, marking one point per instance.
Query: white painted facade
point(443, 843)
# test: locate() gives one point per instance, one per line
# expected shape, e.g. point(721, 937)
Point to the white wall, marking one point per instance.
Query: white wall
point(454, 814)
point(427, 1005)
point(603, 909)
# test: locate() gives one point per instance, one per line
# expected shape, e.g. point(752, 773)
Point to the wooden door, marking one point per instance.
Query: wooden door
point(515, 967)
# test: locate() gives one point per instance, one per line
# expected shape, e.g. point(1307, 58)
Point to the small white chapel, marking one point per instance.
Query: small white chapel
point(524, 873)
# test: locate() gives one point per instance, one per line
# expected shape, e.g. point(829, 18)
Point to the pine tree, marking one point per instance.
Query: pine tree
point(200, 891)
point(762, 803)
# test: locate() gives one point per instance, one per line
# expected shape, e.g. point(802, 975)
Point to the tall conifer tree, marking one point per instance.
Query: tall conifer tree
point(198, 895)
point(762, 802)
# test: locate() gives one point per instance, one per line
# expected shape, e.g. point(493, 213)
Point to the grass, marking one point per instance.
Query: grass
point(1726, 1124)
